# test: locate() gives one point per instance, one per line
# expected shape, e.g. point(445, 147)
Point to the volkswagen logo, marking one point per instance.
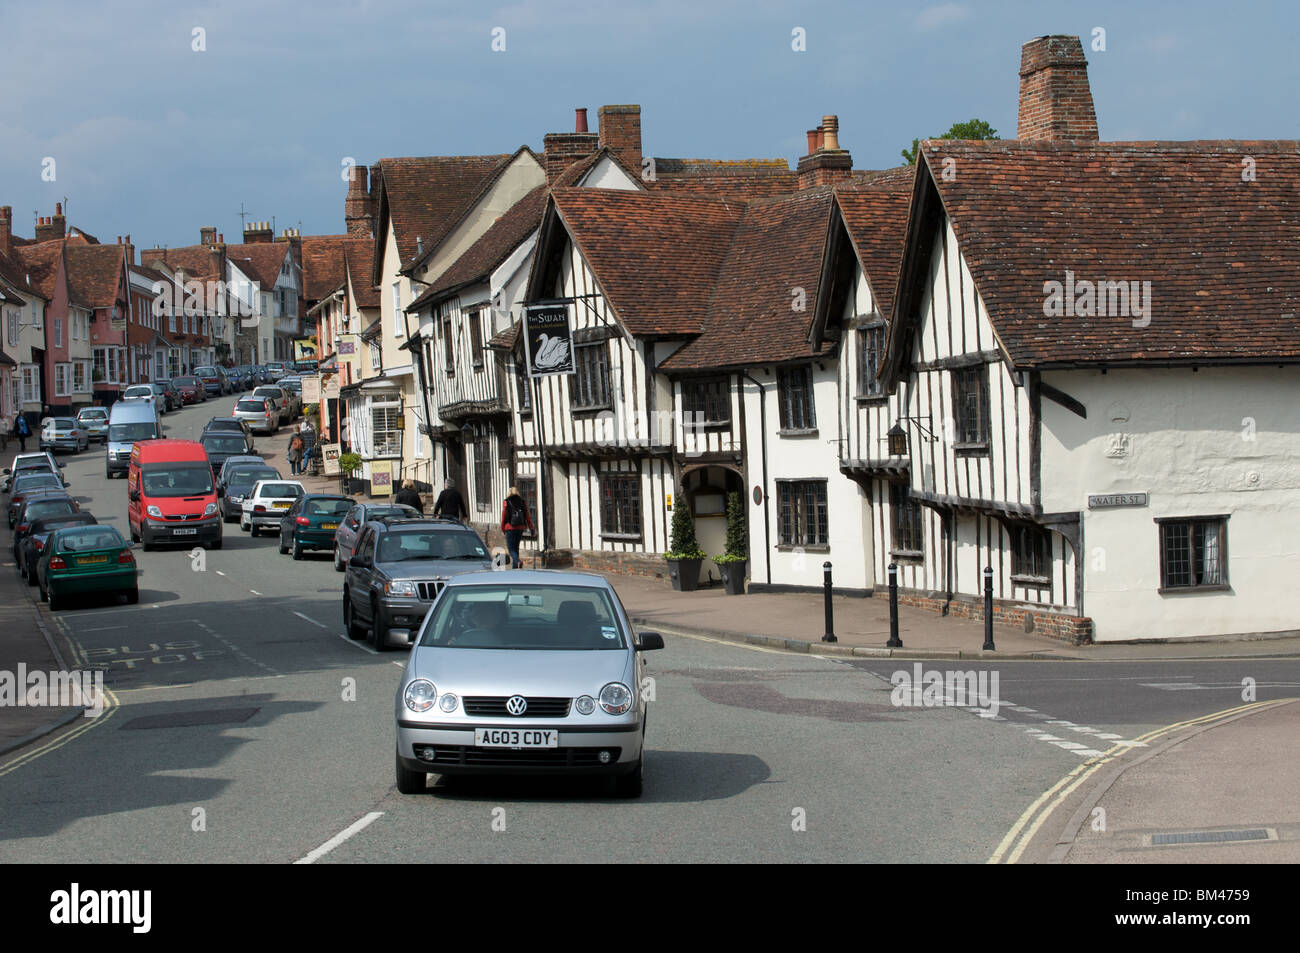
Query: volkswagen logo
point(516, 704)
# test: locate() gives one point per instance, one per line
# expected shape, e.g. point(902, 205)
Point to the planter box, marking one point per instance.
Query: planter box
point(733, 577)
point(685, 574)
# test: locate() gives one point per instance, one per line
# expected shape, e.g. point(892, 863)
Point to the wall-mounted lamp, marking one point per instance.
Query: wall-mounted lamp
point(897, 435)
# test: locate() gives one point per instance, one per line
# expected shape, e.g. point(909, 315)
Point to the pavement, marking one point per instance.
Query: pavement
point(1206, 780)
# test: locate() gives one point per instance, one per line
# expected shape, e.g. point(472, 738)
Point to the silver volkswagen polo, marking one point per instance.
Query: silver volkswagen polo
point(524, 672)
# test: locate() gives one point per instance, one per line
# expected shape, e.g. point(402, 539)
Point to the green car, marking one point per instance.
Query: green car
point(79, 560)
point(312, 522)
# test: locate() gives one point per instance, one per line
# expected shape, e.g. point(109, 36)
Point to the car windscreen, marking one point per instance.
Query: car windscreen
point(51, 523)
point(281, 491)
point(31, 469)
point(402, 545)
point(326, 507)
point(62, 423)
point(401, 509)
point(41, 508)
point(129, 433)
point(26, 483)
point(555, 618)
point(224, 443)
point(205, 372)
point(268, 392)
point(186, 382)
point(89, 538)
point(251, 406)
point(96, 414)
point(247, 476)
point(138, 392)
point(177, 479)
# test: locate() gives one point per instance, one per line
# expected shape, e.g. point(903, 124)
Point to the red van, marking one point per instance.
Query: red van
point(171, 494)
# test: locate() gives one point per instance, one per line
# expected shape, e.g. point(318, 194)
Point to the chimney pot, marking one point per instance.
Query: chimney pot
point(830, 132)
point(580, 120)
point(58, 208)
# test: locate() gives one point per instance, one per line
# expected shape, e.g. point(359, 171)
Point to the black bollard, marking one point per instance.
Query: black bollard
point(830, 611)
point(894, 641)
point(988, 610)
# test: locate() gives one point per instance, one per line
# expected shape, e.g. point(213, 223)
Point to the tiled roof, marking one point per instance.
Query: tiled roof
point(655, 254)
point(494, 247)
point(747, 178)
point(876, 218)
point(323, 265)
point(357, 263)
point(94, 273)
point(506, 338)
point(424, 197)
point(762, 303)
point(40, 262)
point(1214, 227)
point(261, 261)
point(195, 259)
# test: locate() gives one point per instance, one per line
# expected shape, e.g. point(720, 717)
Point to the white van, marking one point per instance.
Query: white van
point(128, 421)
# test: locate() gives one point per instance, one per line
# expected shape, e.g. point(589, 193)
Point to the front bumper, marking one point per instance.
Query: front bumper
point(206, 530)
point(578, 752)
point(402, 617)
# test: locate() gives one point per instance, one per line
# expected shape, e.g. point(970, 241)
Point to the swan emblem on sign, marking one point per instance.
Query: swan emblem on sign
point(551, 352)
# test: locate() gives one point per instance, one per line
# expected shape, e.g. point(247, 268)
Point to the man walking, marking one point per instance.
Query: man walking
point(515, 519)
point(450, 503)
point(23, 430)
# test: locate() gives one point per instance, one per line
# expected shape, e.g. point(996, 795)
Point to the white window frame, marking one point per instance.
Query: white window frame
point(58, 332)
point(397, 309)
point(390, 443)
point(81, 377)
point(38, 317)
point(31, 383)
point(63, 380)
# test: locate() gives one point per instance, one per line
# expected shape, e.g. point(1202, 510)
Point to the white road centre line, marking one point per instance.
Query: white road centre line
point(254, 592)
point(307, 618)
point(340, 837)
point(220, 573)
point(237, 650)
point(361, 645)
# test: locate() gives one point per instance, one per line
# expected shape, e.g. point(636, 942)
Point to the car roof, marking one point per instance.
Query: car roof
point(418, 522)
point(327, 496)
point(261, 483)
point(245, 459)
point(82, 517)
point(531, 577)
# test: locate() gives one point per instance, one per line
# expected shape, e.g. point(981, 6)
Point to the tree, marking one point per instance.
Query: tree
point(970, 129)
point(684, 545)
point(737, 536)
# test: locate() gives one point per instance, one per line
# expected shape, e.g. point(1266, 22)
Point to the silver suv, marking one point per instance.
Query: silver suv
point(398, 568)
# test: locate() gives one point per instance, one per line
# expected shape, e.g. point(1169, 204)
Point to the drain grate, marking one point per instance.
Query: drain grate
point(1209, 837)
point(190, 719)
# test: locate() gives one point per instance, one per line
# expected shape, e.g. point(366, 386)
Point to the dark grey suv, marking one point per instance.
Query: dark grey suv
point(396, 571)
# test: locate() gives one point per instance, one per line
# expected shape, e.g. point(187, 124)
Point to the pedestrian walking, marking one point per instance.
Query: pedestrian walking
point(409, 496)
point(308, 442)
point(24, 430)
point(4, 433)
point(515, 520)
point(450, 502)
point(295, 454)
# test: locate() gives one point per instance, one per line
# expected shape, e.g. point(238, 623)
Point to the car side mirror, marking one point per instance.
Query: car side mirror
point(648, 642)
point(134, 496)
point(65, 484)
point(358, 562)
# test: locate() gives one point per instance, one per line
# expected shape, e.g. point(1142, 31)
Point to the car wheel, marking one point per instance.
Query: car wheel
point(108, 474)
point(133, 596)
point(283, 548)
point(338, 563)
point(297, 550)
point(630, 785)
point(355, 631)
point(215, 544)
point(43, 594)
point(31, 575)
point(408, 781)
point(243, 526)
point(378, 631)
point(55, 602)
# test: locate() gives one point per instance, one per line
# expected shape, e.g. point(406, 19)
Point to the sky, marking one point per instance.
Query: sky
point(160, 118)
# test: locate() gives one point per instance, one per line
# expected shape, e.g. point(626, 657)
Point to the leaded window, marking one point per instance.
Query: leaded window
point(589, 388)
point(971, 405)
point(802, 510)
point(483, 471)
point(620, 499)
point(707, 400)
point(871, 347)
point(1031, 551)
point(908, 523)
point(794, 386)
point(1193, 553)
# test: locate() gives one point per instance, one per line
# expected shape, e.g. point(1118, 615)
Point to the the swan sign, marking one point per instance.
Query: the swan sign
point(546, 336)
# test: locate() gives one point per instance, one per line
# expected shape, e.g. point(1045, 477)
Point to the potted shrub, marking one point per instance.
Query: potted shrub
point(733, 562)
point(349, 463)
point(684, 555)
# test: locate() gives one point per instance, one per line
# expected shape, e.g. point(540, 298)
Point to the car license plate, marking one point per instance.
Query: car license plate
point(281, 506)
point(186, 532)
point(516, 738)
point(88, 560)
point(329, 525)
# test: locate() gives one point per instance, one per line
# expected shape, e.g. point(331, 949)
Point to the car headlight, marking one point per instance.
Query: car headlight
point(154, 512)
point(210, 509)
point(616, 698)
point(400, 587)
point(420, 695)
point(448, 702)
point(235, 498)
point(585, 705)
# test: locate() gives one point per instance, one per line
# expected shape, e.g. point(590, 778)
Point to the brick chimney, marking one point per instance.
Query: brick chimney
point(826, 163)
point(6, 230)
point(207, 235)
point(130, 250)
point(561, 149)
point(258, 232)
point(620, 131)
point(358, 209)
point(1055, 99)
point(52, 228)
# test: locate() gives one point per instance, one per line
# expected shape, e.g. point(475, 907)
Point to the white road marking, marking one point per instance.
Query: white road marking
point(254, 592)
point(361, 645)
point(220, 573)
point(340, 837)
point(319, 625)
point(104, 628)
point(237, 650)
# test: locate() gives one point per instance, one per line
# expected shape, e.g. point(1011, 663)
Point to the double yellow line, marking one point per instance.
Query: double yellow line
point(110, 706)
point(1013, 845)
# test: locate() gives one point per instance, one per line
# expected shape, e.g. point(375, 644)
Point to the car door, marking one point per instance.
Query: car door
point(287, 523)
point(360, 578)
point(347, 532)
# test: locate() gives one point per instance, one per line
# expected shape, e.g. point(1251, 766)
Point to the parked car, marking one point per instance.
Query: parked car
point(34, 542)
point(192, 392)
point(275, 370)
point(63, 433)
point(129, 422)
point(37, 506)
point(524, 672)
point(171, 495)
point(174, 399)
point(292, 388)
point(398, 569)
point(235, 425)
point(260, 413)
point(311, 522)
point(221, 445)
point(267, 503)
point(94, 421)
point(148, 392)
point(214, 380)
point(34, 461)
point(345, 538)
point(236, 481)
point(78, 560)
point(29, 485)
point(278, 397)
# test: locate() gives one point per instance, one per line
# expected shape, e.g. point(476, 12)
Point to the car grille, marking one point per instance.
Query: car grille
point(185, 516)
point(429, 590)
point(495, 707)
point(523, 757)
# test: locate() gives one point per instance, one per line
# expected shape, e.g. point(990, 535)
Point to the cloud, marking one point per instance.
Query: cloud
point(945, 14)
